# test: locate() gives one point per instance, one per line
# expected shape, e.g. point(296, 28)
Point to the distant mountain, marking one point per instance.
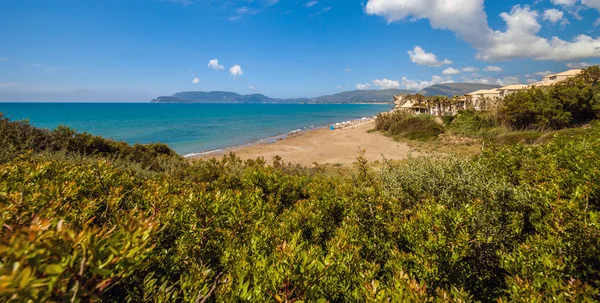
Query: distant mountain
point(221, 97)
point(355, 96)
point(385, 95)
point(454, 89)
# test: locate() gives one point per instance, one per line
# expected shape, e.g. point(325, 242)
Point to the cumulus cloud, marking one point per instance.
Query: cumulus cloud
point(310, 3)
point(508, 81)
point(451, 71)
point(468, 20)
point(251, 87)
point(544, 73)
point(470, 69)
point(577, 65)
point(348, 70)
point(553, 15)
point(236, 71)
point(493, 68)
point(419, 56)
point(214, 64)
point(529, 81)
point(419, 84)
point(361, 86)
point(386, 84)
point(564, 2)
point(196, 80)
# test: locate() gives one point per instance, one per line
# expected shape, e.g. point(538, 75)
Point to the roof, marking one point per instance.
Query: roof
point(571, 72)
point(542, 84)
point(489, 91)
point(477, 92)
point(514, 87)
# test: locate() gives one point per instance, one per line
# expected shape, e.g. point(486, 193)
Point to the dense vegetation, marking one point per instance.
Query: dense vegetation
point(81, 223)
point(404, 125)
point(573, 101)
point(525, 116)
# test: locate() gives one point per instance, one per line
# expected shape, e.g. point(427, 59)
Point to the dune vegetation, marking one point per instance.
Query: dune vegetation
point(86, 219)
point(525, 116)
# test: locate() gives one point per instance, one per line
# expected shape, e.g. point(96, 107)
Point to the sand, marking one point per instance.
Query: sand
point(324, 146)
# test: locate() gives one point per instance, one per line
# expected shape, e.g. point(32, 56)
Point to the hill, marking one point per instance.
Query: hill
point(385, 95)
point(221, 97)
point(454, 89)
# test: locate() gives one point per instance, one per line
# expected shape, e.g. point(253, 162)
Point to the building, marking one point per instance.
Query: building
point(484, 99)
point(555, 78)
point(510, 89)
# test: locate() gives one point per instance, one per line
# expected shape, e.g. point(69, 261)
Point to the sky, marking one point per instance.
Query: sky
point(136, 50)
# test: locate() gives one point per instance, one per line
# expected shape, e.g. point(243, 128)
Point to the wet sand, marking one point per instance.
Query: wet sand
point(324, 146)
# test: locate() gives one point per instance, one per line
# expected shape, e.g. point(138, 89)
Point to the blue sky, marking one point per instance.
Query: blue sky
point(135, 50)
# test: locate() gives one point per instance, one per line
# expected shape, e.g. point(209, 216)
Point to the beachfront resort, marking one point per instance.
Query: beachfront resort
point(480, 100)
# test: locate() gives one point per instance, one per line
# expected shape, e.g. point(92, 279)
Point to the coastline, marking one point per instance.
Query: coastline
point(279, 137)
point(321, 146)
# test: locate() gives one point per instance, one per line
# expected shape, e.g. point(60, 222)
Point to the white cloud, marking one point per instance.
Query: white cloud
point(339, 86)
point(236, 71)
point(421, 57)
point(3, 59)
point(591, 3)
point(386, 84)
point(577, 65)
point(251, 87)
point(553, 15)
point(544, 73)
point(564, 2)
point(214, 64)
point(508, 81)
point(419, 84)
point(529, 81)
point(493, 68)
point(196, 80)
point(361, 86)
point(310, 3)
point(470, 69)
point(451, 71)
point(348, 70)
point(468, 20)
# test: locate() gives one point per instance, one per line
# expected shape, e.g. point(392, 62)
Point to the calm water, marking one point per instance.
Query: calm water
point(187, 128)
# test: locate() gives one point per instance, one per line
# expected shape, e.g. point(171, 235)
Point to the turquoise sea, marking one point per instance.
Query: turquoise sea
point(187, 128)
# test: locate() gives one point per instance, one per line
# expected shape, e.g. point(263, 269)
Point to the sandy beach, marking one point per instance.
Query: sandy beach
point(324, 146)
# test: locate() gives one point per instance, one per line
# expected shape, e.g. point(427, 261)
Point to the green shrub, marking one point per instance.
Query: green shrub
point(573, 101)
point(472, 123)
point(20, 137)
point(405, 125)
point(516, 223)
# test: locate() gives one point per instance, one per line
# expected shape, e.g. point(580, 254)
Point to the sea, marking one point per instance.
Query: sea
point(189, 129)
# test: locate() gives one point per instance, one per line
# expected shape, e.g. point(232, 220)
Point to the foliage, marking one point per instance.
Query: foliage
point(569, 102)
point(470, 122)
point(517, 223)
point(405, 125)
point(19, 136)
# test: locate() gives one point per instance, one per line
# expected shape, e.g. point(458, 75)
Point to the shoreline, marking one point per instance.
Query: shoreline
point(321, 146)
point(280, 137)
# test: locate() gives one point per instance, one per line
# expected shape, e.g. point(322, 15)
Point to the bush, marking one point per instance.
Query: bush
point(516, 223)
point(405, 125)
point(573, 101)
point(19, 137)
point(471, 123)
